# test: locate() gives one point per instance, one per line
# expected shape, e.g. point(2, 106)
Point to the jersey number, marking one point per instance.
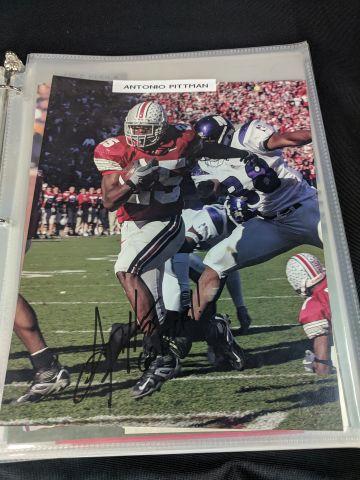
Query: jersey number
point(110, 142)
point(263, 177)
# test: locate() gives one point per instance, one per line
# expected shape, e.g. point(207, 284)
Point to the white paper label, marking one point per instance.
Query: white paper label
point(164, 86)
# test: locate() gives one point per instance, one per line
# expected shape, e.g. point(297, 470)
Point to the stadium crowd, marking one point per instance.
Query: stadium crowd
point(68, 128)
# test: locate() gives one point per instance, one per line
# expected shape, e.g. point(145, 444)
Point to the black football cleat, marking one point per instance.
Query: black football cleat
point(223, 343)
point(162, 368)
point(45, 383)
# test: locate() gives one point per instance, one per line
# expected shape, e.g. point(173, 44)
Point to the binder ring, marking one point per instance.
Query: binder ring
point(10, 87)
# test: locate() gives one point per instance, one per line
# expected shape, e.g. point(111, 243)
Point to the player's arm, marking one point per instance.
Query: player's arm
point(218, 151)
point(117, 190)
point(114, 193)
point(288, 139)
point(198, 148)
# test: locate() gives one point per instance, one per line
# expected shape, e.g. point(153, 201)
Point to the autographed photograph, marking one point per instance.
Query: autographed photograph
point(173, 273)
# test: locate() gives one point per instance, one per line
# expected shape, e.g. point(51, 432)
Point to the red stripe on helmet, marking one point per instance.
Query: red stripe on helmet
point(142, 109)
point(307, 264)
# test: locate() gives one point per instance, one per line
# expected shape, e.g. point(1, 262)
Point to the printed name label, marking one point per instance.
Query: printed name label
point(164, 86)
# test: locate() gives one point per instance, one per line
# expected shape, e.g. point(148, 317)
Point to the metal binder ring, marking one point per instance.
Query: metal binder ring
point(10, 87)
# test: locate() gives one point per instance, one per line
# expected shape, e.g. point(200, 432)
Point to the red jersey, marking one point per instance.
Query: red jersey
point(70, 199)
point(114, 155)
point(316, 307)
point(93, 197)
point(48, 200)
point(83, 198)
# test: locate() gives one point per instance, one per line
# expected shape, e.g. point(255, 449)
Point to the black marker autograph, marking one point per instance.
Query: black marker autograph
point(100, 349)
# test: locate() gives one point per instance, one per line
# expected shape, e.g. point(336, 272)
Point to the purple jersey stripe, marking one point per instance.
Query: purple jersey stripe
point(243, 131)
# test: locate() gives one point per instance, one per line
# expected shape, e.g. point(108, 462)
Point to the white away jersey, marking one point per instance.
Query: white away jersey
point(264, 178)
point(210, 224)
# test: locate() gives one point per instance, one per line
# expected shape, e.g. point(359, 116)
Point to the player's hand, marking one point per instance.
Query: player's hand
point(238, 210)
point(144, 177)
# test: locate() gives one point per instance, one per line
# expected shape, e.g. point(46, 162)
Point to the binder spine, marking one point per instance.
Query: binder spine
point(12, 66)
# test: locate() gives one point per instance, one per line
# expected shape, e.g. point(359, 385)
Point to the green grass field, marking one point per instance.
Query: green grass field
point(66, 279)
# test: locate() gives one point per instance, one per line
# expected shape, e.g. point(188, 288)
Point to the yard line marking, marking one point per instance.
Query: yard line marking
point(262, 296)
point(83, 285)
point(207, 378)
point(212, 378)
point(186, 417)
point(269, 421)
point(36, 275)
point(78, 331)
point(105, 259)
point(125, 302)
point(77, 303)
point(276, 278)
point(251, 327)
point(51, 272)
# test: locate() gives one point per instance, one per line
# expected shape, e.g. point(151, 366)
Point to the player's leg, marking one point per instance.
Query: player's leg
point(214, 332)
point(42, 223)
point(104, 221)
point(139, 267)
point(321, 347)
point(160, 361)
point(52, 224)
point(254, 242)
point(84, 222)
point(214, 328)
point(176, 325)
point(27, 328)
point(50, 377)
point(57, 223)
point(233, 284)
point(308, 217)
point(180, 265)
point(78, 225)
point(199, 329)
point(46, 225)
point(112, 222)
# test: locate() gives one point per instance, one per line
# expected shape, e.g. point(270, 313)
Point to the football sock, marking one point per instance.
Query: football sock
point(180, 264)
point(233, 283)
point(43, 359)
point(196, 263)
point(119, 340)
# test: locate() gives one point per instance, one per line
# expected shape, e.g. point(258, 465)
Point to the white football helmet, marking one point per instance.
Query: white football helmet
point(145, 124)
point(303, 271)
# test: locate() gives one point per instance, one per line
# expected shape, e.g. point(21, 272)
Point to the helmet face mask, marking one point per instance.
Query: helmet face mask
point(303, 272)
point(145, 125)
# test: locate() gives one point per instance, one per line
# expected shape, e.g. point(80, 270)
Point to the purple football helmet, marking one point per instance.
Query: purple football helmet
point(215, 128)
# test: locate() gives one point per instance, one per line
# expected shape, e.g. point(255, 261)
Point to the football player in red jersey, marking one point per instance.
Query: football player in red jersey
point(84, 205)
point(102, 215)
point(92, 211)
point(71, 205)
point(142, 171)
point(307, 276)
point(49, 208)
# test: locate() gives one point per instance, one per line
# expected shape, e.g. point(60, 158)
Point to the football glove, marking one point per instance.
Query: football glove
point(238, 210)
point(144, 177)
